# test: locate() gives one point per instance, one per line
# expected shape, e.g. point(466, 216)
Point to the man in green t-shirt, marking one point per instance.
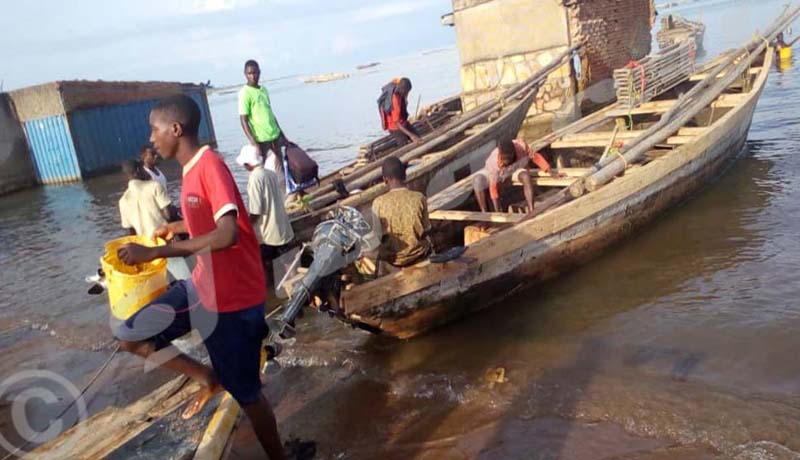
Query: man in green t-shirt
point(258, 121)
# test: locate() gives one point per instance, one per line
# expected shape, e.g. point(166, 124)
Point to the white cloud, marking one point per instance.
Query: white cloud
point(209, 6)
point(344, 44)
point(387, 10)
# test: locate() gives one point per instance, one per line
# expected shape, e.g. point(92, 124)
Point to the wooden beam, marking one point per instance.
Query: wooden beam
point(550, 181)
point(472, 216)
point(601, 139)
point(653, 107)
point(703, 76)
point(570, 172)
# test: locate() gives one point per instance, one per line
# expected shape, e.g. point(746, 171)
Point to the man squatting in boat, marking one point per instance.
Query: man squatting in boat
point(224, 298)
point(508, 162)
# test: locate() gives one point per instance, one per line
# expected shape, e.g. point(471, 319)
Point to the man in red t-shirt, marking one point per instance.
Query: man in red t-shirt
point(224, 299)
point(395, 116)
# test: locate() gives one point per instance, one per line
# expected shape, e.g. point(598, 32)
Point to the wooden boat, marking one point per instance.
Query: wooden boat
point(454, 149)
point(664, 160)
point(675, 29)
point(326, 77)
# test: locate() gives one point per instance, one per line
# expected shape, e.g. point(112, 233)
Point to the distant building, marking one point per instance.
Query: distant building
point(503, 42)
point(77, 129)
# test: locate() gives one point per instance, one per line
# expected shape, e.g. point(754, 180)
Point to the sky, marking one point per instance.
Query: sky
point(198, 40)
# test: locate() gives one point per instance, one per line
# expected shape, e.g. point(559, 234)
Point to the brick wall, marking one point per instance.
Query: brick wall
point(615, 31)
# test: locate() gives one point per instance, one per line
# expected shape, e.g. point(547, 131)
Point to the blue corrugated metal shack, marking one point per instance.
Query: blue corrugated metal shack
point(76, 129)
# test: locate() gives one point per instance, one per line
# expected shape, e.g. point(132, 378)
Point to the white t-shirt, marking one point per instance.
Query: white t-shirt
point(142, 206)
point(157, 176)
point(265, 199)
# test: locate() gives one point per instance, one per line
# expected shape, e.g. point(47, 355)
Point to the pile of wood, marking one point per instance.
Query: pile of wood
point(638, 82)
point(675, 29)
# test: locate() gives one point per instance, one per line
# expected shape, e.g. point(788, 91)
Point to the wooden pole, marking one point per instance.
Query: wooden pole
point(687, 107)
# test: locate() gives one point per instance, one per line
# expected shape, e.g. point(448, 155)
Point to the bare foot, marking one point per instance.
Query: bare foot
point(199, 401)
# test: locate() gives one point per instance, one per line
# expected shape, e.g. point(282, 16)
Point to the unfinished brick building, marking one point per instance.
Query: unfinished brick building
point(502, 42)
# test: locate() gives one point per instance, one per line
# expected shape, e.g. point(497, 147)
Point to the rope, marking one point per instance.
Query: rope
point(633, 65)
point(621, 157)
point(80, 395)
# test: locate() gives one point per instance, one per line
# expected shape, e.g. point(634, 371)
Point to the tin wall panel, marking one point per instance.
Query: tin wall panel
point(52, 151)
point(107, 136)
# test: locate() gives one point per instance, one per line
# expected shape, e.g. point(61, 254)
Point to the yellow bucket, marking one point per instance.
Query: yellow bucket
point(785, 53)
point(131, 287)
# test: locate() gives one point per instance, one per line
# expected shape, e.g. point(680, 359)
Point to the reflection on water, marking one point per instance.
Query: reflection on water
point(677, 343)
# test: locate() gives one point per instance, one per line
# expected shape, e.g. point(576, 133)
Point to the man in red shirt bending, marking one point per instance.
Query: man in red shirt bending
point(393, 107)
point(224, 299)
point(509, 161)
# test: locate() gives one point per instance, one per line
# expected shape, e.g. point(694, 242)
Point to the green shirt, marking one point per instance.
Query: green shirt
point(254, 102)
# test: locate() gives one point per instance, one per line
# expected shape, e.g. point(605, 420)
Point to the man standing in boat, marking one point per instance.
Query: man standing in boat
point(507, 163)
point(393, 108)
point(258, 120)
point(224, 299)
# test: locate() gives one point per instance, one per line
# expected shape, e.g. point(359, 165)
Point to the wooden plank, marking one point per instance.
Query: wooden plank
point(569, 172)
point(655, 107)
point(219, 430)
point(104, 432)
point(551, 181)
point(680, 140)
point(692, 131)
point(594, 135)
point(473, 216)
point(168, 437)
point(702, 76)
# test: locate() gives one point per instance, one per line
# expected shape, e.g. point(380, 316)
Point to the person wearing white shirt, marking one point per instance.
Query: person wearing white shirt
point(144, 207)
point(266, 207)
point(148, 156)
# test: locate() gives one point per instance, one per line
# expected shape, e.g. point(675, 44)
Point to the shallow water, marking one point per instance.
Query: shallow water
point(677, 343)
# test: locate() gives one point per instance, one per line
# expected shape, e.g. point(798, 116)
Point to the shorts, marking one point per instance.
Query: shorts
point(233, 340)
point(481, 180)
point(270, 253)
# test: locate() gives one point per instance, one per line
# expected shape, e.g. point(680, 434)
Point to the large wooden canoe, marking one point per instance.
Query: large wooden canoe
point(566, 231)
point(447, 153)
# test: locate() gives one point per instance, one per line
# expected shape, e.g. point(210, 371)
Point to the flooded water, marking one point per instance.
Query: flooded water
point(677, 343)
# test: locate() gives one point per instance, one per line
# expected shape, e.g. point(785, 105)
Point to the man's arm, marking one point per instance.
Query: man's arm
point(244, 120)
point(244, 117)
point(408, 132)
point(397, 116)
point(494, 194)
point(225, 235)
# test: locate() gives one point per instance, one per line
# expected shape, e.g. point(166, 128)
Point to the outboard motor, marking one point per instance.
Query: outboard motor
point(337, 243)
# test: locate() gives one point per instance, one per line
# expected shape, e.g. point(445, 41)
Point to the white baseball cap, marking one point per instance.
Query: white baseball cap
point(249, 156)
